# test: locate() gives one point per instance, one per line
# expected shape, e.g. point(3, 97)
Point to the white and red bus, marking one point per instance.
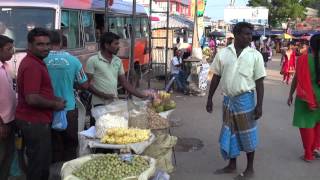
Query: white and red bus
point(81, 22)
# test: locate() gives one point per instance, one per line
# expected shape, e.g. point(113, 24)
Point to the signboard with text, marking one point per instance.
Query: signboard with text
point(253, 15)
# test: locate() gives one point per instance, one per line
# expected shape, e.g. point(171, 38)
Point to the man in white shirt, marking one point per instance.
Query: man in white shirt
point(240, 69)
point(176, 71)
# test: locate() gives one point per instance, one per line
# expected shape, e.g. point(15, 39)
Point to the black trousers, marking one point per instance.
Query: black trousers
point(65, 143)
point(37, 141)
point(7, 149)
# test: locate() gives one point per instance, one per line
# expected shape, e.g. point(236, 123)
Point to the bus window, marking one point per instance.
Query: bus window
point(116, 25)
point(137, 28)
point(88, 26)
point(144, 27)
point(71, 28)
point(16, 22)
point(128, 27)
point(113, 25)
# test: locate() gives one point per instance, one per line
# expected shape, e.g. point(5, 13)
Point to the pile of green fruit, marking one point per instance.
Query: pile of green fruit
point(111, 167)
point(162, 102)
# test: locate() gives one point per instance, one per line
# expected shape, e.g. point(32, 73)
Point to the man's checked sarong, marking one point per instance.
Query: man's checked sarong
point(239, 130)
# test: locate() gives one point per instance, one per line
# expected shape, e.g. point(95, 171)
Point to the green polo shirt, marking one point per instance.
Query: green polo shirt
point(105, 75)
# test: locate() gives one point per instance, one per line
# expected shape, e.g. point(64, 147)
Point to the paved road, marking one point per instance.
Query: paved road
point(277, 157)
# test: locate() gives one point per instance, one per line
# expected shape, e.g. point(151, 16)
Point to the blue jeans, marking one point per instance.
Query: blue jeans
point(180, 80)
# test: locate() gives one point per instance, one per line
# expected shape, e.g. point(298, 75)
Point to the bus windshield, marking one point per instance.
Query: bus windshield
point(17, 22)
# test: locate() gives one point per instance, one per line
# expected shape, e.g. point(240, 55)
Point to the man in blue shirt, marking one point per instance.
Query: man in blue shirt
point(65, 72)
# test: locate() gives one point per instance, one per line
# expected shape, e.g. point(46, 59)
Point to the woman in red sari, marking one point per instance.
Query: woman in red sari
point(306, 84)
point(289, 63)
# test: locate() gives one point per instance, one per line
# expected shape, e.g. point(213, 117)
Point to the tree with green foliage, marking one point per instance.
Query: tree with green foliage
point(283, 10)
point(256, 3)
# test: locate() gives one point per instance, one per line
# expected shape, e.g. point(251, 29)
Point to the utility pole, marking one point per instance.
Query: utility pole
point(133, 40)
point(195, 40)
point(232, 2)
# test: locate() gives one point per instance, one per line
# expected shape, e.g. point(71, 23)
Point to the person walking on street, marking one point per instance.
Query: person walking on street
point(36, 105)
point(212, 43)
point(7, 108)
point(289, 63)
point(241, 70)
point(264, 52)
point(105, 70)
point(306, 109)
point(65, 72)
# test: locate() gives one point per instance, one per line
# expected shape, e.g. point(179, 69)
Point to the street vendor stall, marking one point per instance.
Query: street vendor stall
point(112, 131)
point(127, 124)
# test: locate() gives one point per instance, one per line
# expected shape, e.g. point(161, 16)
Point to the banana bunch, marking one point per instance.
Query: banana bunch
point(125, 136)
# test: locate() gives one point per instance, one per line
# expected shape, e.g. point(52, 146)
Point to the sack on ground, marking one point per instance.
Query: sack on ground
point(161, 150)
point(69, 167)
point(161, 175)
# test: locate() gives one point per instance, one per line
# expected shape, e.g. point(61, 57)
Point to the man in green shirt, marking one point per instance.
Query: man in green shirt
point(105, 70)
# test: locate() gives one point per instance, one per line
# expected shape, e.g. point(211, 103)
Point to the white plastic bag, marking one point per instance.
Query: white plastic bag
point(138, 117)
point(108, 121)
point(59, 122)
point(114, 114)
point(118, 107)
